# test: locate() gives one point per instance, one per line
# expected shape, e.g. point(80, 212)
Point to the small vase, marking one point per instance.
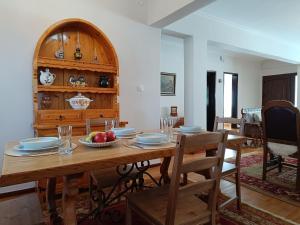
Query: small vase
point(104, 82)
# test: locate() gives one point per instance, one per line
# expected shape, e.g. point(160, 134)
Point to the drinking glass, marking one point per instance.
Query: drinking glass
point(164, 125)
point(107, 124)
point(171, 123)
point(65, 138)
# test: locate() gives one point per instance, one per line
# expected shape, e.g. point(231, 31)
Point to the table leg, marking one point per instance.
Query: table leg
point(164, 170)
point(69, 198)
point(51, 188)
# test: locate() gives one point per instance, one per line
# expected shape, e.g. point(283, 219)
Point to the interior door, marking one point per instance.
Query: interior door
point(211, 100)
point(279, 87)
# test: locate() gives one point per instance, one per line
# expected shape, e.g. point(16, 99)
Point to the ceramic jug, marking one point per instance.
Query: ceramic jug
point(47, 78)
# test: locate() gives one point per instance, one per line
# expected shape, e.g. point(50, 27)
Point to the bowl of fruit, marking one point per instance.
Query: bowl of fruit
point(97, 139)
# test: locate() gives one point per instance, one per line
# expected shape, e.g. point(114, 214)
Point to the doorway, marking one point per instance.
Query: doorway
point(230, 95)
point(211, 100)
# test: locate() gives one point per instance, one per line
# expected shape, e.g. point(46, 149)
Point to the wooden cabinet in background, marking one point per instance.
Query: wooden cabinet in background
point(99, 60)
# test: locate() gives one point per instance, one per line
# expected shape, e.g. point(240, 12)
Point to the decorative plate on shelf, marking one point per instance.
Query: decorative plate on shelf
point(97, 145)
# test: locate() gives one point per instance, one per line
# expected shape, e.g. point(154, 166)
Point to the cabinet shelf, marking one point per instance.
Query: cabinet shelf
point(77, 65)
point(95, 90)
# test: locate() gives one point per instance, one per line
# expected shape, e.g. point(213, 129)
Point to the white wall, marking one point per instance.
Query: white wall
point(23, 22)
point(249, 79)
point(172, 61)
point(272, 67)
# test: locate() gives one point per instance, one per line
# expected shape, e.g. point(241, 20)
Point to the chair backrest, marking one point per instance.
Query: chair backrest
point(281, 122)
point(232, 121)
point(100, 122)
point(189, 144)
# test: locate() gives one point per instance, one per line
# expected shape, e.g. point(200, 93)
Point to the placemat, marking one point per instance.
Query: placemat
point(16, 153)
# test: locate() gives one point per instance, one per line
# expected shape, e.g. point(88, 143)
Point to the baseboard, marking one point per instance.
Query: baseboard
point(17, 193)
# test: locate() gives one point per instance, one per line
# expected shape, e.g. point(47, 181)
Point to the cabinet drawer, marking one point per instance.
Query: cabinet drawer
point(76, 131)
point(93, 114)
point(59, 117)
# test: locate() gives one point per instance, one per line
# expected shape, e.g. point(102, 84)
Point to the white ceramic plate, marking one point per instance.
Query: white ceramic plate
point(21, 148)
point(129, 134)
point(39, 143)
point(190, 129)
point(123, 131)
point(97, 145)
point(151, 143)
point(151, 138)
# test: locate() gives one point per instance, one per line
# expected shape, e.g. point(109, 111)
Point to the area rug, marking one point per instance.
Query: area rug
point(229, 215)
point(278, 185)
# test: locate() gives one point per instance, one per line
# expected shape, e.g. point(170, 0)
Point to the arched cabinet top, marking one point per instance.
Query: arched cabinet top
point(68, 34)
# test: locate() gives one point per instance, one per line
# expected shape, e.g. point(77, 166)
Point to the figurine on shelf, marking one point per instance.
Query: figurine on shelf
point(47, 78)
point(46, 102)
point(77, 82)
point(77, 53)
point(82, 81)
point(95, 58)
point(59, 54)
point(104, 81)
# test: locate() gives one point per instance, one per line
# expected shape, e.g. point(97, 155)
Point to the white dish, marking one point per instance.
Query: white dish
point(151, 138)
point(97, 145)
point(151, 143)
point(38, 143)
point(124, 131)
point(20, 148)
point(190, 129)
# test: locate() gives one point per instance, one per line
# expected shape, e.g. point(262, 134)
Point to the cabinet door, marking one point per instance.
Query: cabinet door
point(58, 117)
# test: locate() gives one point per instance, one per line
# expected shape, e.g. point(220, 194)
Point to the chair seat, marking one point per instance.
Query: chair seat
point(109, 176)
point(153, 203)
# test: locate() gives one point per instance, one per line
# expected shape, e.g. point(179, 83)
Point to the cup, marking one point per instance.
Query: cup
point(65, 138)
point(171, 123)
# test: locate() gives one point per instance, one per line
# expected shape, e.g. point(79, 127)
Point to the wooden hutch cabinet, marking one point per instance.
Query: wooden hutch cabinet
point(83, 61)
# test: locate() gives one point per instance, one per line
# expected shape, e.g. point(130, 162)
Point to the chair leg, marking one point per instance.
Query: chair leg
point(265, 159)
point(298, 177)
point(128, 215)
point(238, 189)
point(91, 193)
point(280, 160)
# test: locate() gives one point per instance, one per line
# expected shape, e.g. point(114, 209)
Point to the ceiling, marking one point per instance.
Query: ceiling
point(278, 19)
point(234, 52)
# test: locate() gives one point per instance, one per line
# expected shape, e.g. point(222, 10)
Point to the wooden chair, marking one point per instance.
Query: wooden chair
point(172, 204)
point(108, 177)
point(229, 168)
point(281, 136)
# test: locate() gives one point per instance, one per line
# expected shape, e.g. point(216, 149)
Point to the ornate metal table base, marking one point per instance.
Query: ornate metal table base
point(132, 178)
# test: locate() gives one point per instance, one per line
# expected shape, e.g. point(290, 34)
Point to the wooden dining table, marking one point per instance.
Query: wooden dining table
point(17, 170)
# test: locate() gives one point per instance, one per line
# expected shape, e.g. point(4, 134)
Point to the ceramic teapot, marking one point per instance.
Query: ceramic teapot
point(47, 78)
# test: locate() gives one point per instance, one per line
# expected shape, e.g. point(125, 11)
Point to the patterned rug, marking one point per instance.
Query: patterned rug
point(278, 185)
point(229, 215)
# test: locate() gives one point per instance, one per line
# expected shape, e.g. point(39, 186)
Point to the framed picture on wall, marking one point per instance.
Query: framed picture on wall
point(167, 84)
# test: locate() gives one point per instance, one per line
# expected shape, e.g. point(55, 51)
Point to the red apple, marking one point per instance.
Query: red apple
point(100, 137)
point(110, 136)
